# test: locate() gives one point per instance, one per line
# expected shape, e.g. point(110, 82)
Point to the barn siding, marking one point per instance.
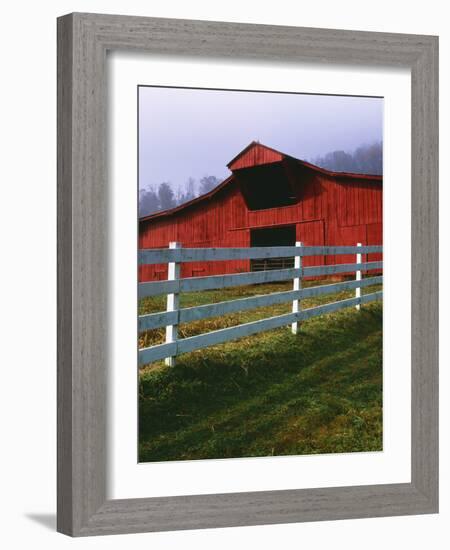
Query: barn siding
point(331, 210)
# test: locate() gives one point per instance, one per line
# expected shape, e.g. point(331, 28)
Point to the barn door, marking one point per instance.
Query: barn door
point(272, 236)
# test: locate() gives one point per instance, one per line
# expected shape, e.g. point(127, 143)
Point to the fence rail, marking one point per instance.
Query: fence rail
point(175, 285)
point(213, 282)
point(181, 255)
point(196, 313)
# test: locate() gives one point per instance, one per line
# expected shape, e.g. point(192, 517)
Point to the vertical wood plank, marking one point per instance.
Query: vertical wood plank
point(173, 304)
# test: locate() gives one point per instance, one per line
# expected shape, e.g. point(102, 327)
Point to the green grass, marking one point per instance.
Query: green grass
point(269, 394)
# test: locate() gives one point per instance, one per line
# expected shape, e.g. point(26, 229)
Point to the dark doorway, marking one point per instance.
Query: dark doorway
point(272, 236)
point(266, 186)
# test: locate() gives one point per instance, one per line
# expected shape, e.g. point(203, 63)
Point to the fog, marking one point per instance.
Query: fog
point(186, 133)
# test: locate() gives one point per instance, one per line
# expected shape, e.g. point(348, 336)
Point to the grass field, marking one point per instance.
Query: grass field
point(269, 394)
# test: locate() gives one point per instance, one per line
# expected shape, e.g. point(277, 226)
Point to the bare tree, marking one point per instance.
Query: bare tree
point(190, 189)
point(186, 193)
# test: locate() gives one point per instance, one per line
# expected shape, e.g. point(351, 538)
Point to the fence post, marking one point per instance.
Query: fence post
point(297, 286)
point(173, 303)
point(358, 278)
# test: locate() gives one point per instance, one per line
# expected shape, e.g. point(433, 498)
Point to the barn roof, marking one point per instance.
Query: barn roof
point(261, 154)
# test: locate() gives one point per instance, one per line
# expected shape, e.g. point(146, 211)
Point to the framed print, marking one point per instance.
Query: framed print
point(247, 274)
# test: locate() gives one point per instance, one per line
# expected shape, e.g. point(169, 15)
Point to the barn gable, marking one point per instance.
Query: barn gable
point(263, 178)
point(255, 154)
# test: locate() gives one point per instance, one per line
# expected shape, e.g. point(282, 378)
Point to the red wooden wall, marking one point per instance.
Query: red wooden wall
point(330, 210)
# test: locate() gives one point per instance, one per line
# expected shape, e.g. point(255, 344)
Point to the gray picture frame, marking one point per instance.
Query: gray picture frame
point(83, 41)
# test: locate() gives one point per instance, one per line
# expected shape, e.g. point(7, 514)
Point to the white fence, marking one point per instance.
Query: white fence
point(173, 316)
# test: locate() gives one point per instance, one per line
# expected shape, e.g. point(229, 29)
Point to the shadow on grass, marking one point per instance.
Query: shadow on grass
point(271, 394)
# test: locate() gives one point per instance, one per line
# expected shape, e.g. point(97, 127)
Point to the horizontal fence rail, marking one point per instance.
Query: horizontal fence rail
point(175, 285)
point(193, 284)
point(182, 255)
point(213, 282)
point(192, 343)
point(187, 315)
point(340, 268)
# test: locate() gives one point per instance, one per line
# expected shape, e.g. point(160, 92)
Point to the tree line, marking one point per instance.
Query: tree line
point(366, 159)
point(163, 197)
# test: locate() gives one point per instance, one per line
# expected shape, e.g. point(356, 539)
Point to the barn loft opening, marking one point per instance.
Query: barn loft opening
point(272, 236)
point(265, 186)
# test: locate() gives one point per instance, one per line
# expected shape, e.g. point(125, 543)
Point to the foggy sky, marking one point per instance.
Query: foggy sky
point(192, 133)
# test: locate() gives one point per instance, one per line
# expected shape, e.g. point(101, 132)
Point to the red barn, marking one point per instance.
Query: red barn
point(269, 199)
